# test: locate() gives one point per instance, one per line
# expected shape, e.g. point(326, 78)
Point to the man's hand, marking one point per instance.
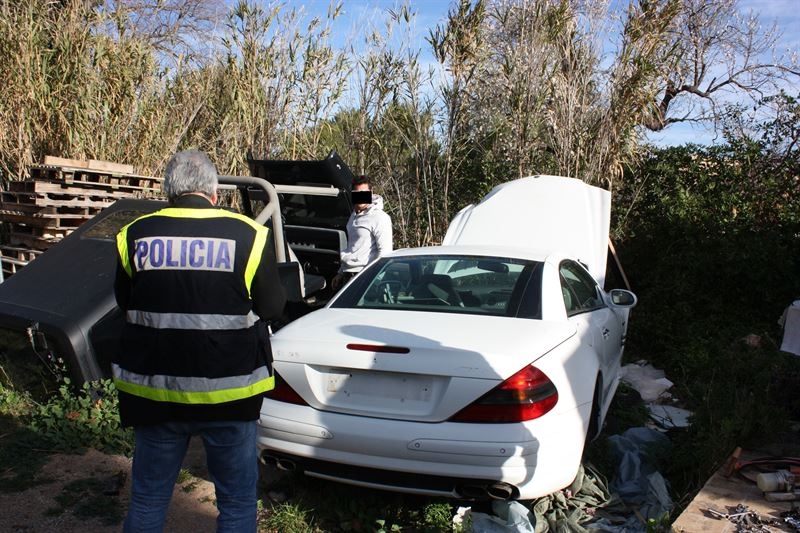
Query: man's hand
point(341, 279)
point(337, 281)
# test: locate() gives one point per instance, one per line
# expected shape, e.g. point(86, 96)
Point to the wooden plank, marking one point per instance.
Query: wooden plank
point(9, 267)
point(19, 253)
point(618, 264)
point(146, 184)
point(45, 232)
point(31, 209)
point(722, 493)
point(31, 241)
point(54, 161)
point(94, 164)
point(73, 189)
point(35, 218)
point(49, 200)
point(45, 221)
point(14, 261)
point(117, 168)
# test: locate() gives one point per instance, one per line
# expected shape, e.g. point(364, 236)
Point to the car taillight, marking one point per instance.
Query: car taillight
point(284, 393)
point(526, 395)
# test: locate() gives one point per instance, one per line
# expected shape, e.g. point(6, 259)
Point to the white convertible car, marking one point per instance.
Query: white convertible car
point(475, 369)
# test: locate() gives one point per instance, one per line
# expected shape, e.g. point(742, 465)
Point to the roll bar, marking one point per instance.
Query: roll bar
point(271, 211)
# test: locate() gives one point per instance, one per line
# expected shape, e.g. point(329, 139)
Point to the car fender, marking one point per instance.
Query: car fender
point(570, 366)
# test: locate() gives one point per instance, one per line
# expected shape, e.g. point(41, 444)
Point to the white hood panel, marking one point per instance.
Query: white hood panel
point(549, 213)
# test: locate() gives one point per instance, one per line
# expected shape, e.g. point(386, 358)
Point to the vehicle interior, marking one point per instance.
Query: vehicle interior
point(500, 287)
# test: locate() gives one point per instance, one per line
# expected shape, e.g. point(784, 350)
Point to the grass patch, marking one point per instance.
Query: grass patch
point(21, 458)
point(287, 517)
point(187, 481)
point(314, 505)
point(88, 499)
point(21, 450)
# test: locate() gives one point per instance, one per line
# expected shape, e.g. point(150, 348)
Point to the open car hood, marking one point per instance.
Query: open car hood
point(550, 213)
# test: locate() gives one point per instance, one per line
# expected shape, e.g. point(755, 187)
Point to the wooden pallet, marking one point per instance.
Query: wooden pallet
point(32, 242)
point(45, 232)
point(11, 264)
point(94, 164)
point(18, 253)
point(13, 258)
point(98, 202)
point(146, 185)
point(54, 186)
point(54, 220)
point(85, 176)
point(61, 195)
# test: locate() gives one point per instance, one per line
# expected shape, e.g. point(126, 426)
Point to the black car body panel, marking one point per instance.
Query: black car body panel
point(67, 293)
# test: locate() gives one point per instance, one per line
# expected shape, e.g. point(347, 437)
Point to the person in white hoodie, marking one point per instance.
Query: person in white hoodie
point(369, 232)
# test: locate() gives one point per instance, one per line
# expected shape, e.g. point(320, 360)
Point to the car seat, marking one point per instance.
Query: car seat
point(436, 286)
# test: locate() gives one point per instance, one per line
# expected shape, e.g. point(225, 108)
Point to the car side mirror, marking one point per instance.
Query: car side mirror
point(623, 298)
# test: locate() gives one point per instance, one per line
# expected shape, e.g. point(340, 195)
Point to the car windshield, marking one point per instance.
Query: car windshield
point(495, 286)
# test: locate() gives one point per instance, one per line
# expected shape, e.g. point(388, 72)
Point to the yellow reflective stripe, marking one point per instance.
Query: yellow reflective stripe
point(189, 212)
point(198, 397)
point(260, 241)
point(255, 257)
point(122, 250)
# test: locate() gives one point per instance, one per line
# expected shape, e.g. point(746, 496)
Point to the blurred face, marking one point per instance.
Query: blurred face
point(357, 188)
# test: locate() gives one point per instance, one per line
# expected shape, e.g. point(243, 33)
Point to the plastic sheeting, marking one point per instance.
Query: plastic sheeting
point(669, 417)
point(565, 511)
point(649, 382)
point(637, 483)
point(637, 493)
point(509, 517)
point(790, 321)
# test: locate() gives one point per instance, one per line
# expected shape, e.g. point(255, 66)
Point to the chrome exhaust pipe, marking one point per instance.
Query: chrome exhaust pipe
point(268, 460)
point(501, 491)
point(278, 463)
point(472, 492)
point(285, 465)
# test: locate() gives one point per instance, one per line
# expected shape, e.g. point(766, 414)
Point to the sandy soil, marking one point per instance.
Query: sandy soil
point(31, 511)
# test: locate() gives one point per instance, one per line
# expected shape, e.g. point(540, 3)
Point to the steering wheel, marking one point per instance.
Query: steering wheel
point(388, 290)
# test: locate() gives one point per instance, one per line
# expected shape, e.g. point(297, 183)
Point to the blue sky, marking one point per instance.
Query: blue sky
point(358, 14)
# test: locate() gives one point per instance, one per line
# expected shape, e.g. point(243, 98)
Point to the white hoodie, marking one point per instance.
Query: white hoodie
point(369, 235)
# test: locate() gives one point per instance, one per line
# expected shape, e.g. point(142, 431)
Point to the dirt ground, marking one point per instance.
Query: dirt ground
point(38, 508)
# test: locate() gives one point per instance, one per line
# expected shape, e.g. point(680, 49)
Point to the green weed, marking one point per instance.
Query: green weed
point(287, 518)
point(86, 417)
point(438, 516)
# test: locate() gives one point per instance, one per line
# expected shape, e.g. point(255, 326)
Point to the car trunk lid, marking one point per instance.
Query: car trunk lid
point(363, 367)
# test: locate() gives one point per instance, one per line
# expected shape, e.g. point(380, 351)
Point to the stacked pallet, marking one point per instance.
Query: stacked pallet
point(60, 195)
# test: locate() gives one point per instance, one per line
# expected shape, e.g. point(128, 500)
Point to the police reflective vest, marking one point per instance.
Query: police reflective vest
point(193, 347)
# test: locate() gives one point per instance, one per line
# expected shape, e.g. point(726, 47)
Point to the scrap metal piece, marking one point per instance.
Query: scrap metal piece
point(746, 520)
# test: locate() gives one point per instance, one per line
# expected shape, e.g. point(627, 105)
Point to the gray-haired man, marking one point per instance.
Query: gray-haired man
point(197, 284)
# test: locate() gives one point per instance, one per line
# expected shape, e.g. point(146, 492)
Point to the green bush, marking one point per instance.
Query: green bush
point(709, 240)
point(86, 417)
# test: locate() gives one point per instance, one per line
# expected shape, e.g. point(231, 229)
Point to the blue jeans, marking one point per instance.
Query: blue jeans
point(232, 462)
